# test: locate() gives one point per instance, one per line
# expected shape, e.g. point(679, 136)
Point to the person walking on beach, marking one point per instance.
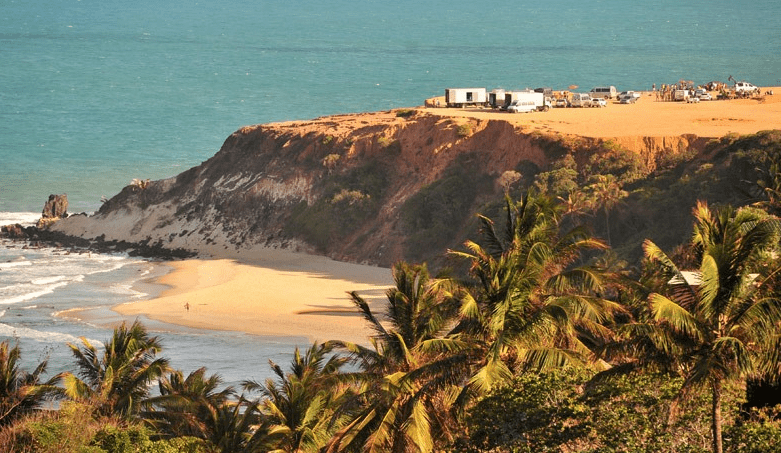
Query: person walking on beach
point(187, 306)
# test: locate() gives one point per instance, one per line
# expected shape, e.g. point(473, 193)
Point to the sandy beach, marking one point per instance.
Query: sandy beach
point(279, 294)
point(282, 293)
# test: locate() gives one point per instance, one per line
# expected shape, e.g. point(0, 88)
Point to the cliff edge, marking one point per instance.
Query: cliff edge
point(370, 188)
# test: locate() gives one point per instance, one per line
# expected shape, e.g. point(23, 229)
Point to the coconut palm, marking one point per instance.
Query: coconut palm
point(532, 304)
point(300, 407)
point(606, 192)
point(117, 381)
point(187, 406)
point(716, 325)
point(21, 392)
point(408, 378)
point(239, 428)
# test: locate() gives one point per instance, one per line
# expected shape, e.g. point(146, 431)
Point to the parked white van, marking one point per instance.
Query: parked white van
point(528, 102)
point(603, 92)
point(681, 95)
point(580, 100)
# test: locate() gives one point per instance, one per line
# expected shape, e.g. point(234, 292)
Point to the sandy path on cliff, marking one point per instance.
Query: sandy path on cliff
point(281, 293)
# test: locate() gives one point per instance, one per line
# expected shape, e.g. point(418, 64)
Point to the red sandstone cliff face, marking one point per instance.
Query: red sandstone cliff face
point(361, 188)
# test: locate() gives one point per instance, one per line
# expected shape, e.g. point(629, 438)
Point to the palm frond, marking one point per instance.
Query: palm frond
point(363, 306)
point(677, 317)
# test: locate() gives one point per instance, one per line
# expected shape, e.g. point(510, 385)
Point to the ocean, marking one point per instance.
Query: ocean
point(96, 93)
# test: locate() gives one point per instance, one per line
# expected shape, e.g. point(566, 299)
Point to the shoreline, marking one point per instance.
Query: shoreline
point(275, 294)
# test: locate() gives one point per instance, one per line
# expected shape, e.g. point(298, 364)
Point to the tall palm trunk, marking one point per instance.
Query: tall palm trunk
point(716, 419)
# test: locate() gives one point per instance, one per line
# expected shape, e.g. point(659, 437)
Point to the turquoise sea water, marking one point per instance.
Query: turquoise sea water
point(94, 93)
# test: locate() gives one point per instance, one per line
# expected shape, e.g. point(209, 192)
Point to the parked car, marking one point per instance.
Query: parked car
point(692, 99)
point(581, 100)
point(561, 103)
point(598, 102)
point(603, 92)
point(633, 96)
point(704, 96)
point(745, 87)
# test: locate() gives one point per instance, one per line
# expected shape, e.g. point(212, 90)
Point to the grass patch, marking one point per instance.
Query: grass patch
point(464, 130)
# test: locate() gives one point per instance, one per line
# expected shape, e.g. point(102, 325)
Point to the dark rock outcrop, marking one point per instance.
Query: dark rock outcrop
point(55, 207)
point(15, 231)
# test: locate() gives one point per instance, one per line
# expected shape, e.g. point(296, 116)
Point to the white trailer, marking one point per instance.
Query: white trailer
point(528, 101)
point(512, 96)
point(459, 97)
point(496, 98)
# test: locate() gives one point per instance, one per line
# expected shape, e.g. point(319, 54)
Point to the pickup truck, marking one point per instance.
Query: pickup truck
point(628, 97)
point(745, 87)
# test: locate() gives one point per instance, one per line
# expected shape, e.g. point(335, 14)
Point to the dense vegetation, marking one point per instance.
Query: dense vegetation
point(547, 342)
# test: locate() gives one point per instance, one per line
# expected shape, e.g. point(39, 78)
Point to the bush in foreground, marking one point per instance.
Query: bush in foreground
point(75, 429)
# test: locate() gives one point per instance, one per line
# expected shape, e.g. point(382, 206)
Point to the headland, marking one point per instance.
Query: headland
point(277, 198)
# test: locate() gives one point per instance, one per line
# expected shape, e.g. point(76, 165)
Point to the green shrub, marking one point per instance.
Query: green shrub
point(406, 113)
point(566, 410)
point(611, 159)
point(464, 130)
point(347, 201)
point(113, 439)
point(330, 161)
point(561, 179)
point(436, 213)
point(759, 432)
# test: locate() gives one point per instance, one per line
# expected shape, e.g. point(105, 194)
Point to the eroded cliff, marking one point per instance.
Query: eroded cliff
point(371, 188)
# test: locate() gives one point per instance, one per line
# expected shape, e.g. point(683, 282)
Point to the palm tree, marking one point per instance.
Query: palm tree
point(532, 306)
point(409, 377)
point(717, 325)
point(187, 406)
point(118, 381)
point(607, 193)
point(239, 428)
point(300, 408)
point(21, 392)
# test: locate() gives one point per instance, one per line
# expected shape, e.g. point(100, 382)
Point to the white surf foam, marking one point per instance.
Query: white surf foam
point(29, 292)
point(41, 335)
point(22, 218)
point(13, 264)
point(48, 280)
